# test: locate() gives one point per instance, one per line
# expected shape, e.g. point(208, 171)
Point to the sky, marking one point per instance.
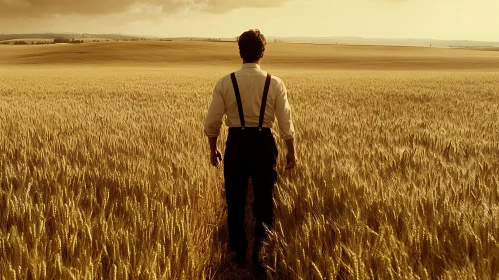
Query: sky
point(432, 19)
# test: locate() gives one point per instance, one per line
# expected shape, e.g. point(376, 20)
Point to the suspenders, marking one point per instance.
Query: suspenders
point(238, 99)
point(240, 104)
point(264, 101)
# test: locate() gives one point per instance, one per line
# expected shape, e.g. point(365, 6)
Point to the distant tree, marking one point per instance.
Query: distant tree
point(61, 40)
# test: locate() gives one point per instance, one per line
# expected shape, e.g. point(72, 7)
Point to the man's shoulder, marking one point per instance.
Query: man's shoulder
point(224, 77)
point(227, 77)
point(277, 79)
point(223, 80)
point(274, 79)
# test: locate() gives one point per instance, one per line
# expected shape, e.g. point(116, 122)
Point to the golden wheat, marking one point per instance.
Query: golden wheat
point(105, 174)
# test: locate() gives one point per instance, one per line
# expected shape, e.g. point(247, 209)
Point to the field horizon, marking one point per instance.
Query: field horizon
point(225, 54)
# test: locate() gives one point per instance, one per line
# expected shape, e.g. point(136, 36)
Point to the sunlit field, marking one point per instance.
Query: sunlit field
point(104, 167)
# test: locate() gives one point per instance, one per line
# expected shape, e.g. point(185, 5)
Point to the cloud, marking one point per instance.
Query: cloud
point(223, 6)
point(44, 8)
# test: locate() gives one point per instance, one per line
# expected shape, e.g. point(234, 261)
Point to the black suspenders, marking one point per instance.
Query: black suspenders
point(240, 104)
point(264, 101)
point(238, 99)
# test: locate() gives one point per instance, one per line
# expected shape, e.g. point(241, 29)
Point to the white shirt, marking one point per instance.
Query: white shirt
point(251, 82)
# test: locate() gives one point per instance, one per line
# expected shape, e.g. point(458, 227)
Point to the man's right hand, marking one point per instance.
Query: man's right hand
point(290, 161)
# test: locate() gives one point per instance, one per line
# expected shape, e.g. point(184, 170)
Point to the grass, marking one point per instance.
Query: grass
point(104, 173)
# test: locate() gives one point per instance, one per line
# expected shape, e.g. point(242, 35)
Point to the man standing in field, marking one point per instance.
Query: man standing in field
point(252, 99)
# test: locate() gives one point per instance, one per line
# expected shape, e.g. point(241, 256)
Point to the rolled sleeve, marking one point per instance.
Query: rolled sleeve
point(283, 113)
point(213, 121)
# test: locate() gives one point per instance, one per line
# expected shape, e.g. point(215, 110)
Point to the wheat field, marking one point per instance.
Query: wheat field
point(104, 167)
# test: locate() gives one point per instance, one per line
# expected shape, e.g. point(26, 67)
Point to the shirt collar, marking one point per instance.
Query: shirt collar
point(251, 65)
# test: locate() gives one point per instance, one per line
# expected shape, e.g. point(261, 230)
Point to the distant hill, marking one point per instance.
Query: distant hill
point(385, 41)
point(326, 40)
point(362, 41)
point(70, 36)
point(153, 53)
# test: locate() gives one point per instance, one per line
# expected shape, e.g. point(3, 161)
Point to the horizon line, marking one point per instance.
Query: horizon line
point(269, 36)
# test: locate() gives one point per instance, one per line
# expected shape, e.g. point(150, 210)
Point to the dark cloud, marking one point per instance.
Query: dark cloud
point(43, 8)
point(38, 8)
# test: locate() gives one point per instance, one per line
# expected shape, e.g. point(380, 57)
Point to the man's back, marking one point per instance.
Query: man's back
point(251, 82)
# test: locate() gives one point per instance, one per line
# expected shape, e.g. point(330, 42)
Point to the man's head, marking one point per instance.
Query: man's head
point(251, 46)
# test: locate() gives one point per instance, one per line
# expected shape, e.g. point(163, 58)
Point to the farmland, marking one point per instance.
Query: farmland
point(104, 168)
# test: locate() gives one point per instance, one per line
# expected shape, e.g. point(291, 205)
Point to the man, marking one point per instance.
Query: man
point(252, 99)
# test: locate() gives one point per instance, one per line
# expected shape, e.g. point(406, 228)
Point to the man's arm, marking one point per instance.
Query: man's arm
point(290, 144)
point(286, 127)
point(213, 144)
point(215, 155)
point(213, 123)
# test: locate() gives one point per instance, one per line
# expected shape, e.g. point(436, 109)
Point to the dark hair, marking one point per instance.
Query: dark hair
point(251, 45)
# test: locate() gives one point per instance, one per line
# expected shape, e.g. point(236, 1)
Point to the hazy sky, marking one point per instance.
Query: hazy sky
point(436, 19)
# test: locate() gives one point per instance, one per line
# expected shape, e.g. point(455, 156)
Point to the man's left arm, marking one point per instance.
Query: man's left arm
point(213, 123)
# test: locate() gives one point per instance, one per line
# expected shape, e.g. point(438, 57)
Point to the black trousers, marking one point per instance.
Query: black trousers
point(249, 152)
